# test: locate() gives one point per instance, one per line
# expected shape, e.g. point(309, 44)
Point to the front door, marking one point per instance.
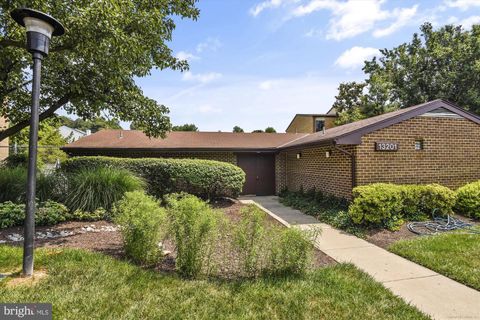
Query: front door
point(259, 173)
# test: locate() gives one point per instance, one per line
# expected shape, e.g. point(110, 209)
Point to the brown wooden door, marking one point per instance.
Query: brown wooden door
point(259, 173)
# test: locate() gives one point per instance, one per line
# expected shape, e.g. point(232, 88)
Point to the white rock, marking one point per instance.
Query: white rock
point(15, 237)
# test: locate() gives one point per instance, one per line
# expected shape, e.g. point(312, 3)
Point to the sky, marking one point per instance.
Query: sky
point(257, 63)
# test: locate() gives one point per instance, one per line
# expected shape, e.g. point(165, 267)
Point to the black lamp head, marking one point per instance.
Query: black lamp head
point(40, 28)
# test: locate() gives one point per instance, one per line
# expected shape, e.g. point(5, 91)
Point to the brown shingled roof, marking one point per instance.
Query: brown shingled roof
point(177, 140)
point(196, 141)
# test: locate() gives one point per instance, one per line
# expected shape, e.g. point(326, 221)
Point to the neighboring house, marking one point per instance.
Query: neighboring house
point(311, 123)
point(3, 143)
point(72, 134)
point(434, 142)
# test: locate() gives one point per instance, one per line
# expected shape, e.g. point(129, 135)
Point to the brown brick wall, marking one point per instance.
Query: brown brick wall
point(451, 154)
point(3, 143)
point(301, 124)
point(280, 172)
point(229, 157)
point(314, 170)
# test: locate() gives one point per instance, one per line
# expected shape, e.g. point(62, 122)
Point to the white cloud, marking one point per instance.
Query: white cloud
point(183, 55)
point(467, 23)
point(404, 16)
point(206, 108)
point(201, 77)
point(268, 84)
point(315, 5)
point(313, 33)
point(355, 57)
point(267, 4)
point(462, 4)
point(211, 44)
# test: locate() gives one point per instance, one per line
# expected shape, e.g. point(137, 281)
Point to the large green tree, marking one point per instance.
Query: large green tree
point(92, 68)
point(185, 127)
point(443, 63)
point(94, 124)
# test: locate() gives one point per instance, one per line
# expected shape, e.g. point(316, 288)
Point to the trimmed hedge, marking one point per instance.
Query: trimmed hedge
point(387, 205)
point(468, 200)
point(204, 178)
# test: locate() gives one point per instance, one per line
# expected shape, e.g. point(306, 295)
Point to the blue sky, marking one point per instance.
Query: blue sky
point(256, 63)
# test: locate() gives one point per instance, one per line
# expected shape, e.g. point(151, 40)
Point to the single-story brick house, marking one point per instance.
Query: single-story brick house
point(434, 142)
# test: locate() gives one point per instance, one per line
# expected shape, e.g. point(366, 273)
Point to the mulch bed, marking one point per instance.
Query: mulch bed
point(91, 236)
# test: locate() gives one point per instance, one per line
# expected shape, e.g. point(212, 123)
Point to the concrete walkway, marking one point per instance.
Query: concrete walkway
point(430, 292)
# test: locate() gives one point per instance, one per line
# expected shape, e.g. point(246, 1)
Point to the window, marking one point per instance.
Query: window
point(319, 125)
point(419, 144)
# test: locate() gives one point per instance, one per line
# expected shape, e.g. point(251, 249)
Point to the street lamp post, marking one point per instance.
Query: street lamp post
point(40, 28)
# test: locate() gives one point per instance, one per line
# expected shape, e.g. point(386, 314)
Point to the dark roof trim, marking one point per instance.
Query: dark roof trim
point(167, 150)
point(355, 137)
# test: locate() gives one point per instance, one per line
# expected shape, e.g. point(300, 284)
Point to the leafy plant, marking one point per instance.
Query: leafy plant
point(50, 213)
point(98, 214)
point(13, 184)
point(91, 189)
point(291, 252)
point(193, 225)
point(142, 223)
point(468, 200)
point(203, 178)
point(11, 214)
point(250, 239)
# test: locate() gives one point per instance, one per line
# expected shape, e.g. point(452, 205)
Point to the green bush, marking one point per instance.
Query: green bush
point(142, 223)
point(291, 252)
point(91, 189)
point(11, 214)
point(249, 239)
point(193, 225)
point(47, 213)
point(468, 200)
point(387, 205)
point(50, 213)
point(98, 214)
point(204, 178)
point(376, 203)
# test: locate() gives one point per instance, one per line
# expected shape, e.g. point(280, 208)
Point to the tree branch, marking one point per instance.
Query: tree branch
point(44, 115)
point(11, 43)
point(10, 90)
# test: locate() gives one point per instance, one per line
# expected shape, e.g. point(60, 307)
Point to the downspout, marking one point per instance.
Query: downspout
point(353, 163)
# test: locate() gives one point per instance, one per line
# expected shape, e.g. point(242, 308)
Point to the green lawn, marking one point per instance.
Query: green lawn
point(454, 255)
point(84, 285)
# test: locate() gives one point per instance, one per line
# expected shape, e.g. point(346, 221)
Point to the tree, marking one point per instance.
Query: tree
point(49, 141)
point(185, 127)
point(270, 130)
point(93, 125)
point(257, 131)
point(441, 63)
point(92, 68)
point(237, 129)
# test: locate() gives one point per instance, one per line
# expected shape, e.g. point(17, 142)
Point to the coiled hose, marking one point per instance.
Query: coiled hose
point(439, 225)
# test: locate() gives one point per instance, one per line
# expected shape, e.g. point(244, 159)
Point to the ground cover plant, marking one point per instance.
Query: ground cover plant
point(48, 213)
point(99, 280)
point(324, 207)
point(455, 255)
point(203, 178)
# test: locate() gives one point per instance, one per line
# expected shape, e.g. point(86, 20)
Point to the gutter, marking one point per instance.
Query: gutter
point(353, 163)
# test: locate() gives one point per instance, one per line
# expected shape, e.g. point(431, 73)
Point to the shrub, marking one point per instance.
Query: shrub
point(291, 252)
point(142, 223)
point(204, 178)
point(47, 213)
point(51, 212)
point(13, 182)
point(11, 214)
point(90, 189)
point(388, 205)
point(376, 203)
point(249, 239)
point(468, 200)
point(193, 225)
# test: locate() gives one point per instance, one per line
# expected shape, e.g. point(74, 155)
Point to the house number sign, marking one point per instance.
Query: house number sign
point(386, 146)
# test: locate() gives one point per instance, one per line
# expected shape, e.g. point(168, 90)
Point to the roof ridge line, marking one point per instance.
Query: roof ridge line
point(303, 136)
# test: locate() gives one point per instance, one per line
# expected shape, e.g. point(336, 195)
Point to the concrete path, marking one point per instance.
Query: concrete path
point(430, 292)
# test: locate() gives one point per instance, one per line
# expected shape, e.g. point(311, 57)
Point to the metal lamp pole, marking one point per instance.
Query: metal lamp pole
point(40, 28)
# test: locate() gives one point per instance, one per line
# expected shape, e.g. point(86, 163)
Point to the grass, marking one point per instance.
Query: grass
point(85, 285)
point(455, 255)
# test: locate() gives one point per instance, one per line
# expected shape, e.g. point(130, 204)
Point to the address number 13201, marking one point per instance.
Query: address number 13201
point(386, 146)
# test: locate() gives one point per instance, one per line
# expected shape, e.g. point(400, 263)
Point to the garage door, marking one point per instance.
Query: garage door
point(260, 173)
